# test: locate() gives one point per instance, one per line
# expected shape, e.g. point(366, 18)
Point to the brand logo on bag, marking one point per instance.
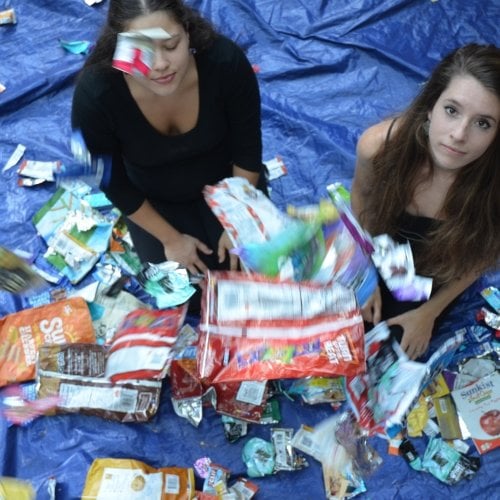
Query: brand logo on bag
point(52, 330)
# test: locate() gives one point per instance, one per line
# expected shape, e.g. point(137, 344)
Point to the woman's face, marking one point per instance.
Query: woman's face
point(172, 56)
point(463, 123)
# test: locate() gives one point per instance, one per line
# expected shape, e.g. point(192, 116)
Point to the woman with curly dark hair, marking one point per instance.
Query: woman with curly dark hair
point(190, 119)
point(431, 176)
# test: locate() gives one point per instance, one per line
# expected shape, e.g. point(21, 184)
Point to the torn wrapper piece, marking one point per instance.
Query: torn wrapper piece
point(275, 168)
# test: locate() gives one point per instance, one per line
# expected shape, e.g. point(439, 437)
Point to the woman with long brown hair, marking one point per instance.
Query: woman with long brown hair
point(431, 176)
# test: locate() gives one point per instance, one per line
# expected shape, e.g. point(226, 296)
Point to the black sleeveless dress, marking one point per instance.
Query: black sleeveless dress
point(413, 229)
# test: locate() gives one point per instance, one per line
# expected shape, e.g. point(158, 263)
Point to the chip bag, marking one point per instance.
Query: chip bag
point(258, 328)
point(22, 333)
point(126, 478)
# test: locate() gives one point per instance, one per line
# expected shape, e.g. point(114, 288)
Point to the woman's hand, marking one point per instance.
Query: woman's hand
point(225, 245)
point(417, 327)
point(184, 250)
point(372, 308)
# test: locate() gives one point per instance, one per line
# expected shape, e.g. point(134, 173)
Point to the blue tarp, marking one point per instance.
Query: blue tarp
point(327, 70)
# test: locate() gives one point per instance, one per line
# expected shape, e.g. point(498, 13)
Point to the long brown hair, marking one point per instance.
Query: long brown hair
point(468, 239)
point(121, 12)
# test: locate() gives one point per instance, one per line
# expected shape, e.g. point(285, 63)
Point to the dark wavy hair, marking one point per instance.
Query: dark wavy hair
point(468, 239)
point(121, 12)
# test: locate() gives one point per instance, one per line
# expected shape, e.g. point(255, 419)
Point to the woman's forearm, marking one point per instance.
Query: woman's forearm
point(252, 177)
point(446, 294)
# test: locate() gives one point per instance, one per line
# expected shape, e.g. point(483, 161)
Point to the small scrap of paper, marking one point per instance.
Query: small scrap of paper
point(275, 168)
point(92, 2)
point(3, 88)
point(14, 157)
point(77, 46)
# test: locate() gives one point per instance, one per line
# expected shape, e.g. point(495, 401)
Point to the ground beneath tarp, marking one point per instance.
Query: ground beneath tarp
point(326, 70)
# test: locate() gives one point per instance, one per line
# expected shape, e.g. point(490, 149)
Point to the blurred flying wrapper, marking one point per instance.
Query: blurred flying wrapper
point(16, 276)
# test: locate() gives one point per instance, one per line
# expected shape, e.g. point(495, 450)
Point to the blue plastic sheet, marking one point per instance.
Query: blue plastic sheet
point(327, 70)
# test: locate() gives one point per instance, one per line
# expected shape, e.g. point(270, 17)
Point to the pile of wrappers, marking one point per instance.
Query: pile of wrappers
point(99, 333)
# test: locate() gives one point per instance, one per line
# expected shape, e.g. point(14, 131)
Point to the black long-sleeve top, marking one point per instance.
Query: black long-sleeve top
point(171, 169)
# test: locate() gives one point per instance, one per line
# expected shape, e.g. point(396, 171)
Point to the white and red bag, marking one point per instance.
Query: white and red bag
point(142, 346)
point(258, 328)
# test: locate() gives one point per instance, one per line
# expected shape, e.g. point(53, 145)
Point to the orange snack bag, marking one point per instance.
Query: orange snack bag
point(22, 333)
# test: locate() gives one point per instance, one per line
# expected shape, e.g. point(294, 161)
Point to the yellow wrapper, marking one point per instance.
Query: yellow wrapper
point(417, 418)
point(13, 488)
point(134, 479)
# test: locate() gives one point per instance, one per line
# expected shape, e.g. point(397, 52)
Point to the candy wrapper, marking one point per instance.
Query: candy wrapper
point(382, 396)
point(338, 196)
point(353, 245)
point(216, 481)
point(492, 295)
point(234, 428)
point(256, 328)
point(316, 390)
point(135, 51)
point(242, 489)
point(447, 464)
point(490, 318)
point(258, 455)
point(8, 16)
point(186, 388)
point(168, 282)
point(244, 401)
point(396, 267)
point(286, 458)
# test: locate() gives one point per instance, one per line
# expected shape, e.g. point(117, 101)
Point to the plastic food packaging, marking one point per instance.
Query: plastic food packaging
point(257, 328)
point(22, 333)
point(74, 375)
point(126, 479)
point(142, 346)
point(381, 397)
point(258, 456)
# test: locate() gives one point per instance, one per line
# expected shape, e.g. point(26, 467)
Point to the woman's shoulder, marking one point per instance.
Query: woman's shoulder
point(98, 80)
point(223, 51)
point(374, 137)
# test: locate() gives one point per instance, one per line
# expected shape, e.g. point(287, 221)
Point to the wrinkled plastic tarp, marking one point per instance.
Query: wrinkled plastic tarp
point(327, 70)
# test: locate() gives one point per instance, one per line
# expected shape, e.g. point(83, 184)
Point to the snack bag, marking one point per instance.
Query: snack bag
point(22, 333)
point(142, 345)
point(258, 328)
point(119, 479)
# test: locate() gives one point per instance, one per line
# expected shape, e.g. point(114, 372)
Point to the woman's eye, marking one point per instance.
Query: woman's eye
point(484, 124)
point(169, 47)
point(450, 110)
